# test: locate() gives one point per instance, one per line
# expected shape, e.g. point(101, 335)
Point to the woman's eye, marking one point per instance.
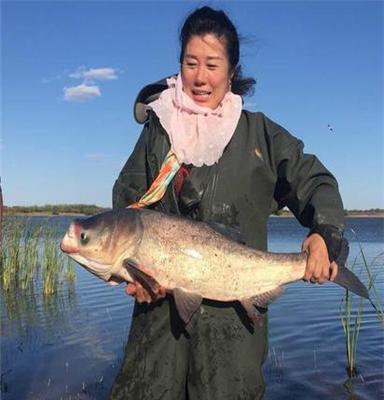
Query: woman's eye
point(191, 65)
point(212, 66)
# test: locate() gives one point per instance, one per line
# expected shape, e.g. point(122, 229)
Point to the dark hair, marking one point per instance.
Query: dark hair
point(206, 20)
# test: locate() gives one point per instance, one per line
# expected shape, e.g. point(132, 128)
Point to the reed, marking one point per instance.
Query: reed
point(11, 254)
point(351, 326)
point(30, 249)
point(352, 320)
point(24, 249)
point(52, 263)
point(70, 272)
point(377, 262)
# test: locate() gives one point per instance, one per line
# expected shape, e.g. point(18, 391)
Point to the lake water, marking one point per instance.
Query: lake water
point(70, 346)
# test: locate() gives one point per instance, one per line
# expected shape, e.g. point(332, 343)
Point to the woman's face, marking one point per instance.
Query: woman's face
point(205, 70)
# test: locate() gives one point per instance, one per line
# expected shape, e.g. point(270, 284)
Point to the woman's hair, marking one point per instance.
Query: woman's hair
point(205, 21)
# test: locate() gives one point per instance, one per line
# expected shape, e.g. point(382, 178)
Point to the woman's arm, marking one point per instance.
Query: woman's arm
point(311, 192)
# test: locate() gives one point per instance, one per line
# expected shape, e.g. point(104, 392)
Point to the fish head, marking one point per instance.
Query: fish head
point(100, 243)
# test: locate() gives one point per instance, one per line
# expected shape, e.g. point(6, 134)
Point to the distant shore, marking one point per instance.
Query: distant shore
point(54, 210)
point(349, 215)
point(88, 210)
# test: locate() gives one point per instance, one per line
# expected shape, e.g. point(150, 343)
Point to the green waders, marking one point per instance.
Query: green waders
point(219, 358)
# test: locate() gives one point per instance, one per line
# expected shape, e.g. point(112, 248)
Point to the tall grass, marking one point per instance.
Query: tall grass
point(52, 263)
point(10, 254)
point(352, 319)
point(351, 326)
point(30, 252)
point(70, 272)
point(30, 256)
point(32, 268)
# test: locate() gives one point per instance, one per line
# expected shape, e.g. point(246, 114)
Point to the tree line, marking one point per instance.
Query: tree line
point(91, 209)
point(56, 209)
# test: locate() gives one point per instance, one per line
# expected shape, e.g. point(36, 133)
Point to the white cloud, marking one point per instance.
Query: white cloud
point(94, 74)
point(88, 90)
point(81, 93)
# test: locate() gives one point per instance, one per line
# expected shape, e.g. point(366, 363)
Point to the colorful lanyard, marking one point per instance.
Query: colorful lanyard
point(168, 170)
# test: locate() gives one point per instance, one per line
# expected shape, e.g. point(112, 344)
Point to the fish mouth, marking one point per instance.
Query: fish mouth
point(68, 244)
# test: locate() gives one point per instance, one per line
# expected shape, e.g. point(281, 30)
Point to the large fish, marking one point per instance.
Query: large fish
point(190, 259)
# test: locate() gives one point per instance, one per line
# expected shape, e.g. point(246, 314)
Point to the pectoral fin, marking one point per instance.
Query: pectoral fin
point(187, 303)
point(146, 281)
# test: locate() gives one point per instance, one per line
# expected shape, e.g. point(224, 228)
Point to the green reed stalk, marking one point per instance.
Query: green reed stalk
point(31, 263)
point(52, 263)
point(352, 327)
point(374, 293)
point(30, 257)
point(11, 255)
point(70, 272)
point(24, 248)
point(351, 330)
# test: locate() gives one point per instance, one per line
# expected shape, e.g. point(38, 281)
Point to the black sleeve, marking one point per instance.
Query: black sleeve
point(308, 189)
point(132, 181)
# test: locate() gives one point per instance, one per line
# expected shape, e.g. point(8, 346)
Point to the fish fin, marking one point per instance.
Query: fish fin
point(264, 299)
point(345, 277)
point(187, 303)
point(114, 281)
point(147, 281)
point(350, 281)
point(255, 314)
point(258, 305)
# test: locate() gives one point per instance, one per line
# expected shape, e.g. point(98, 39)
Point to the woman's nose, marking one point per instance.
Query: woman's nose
point(201, 76)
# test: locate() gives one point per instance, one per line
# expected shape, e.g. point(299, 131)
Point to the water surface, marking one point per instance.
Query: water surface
point(70, 346)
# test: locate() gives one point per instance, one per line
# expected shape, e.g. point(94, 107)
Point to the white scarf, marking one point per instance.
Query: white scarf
point(198, 135)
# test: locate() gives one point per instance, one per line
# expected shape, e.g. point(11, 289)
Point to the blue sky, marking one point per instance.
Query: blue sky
point(71, 72)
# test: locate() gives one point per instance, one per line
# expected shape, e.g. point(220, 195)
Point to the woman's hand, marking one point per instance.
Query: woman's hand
point(142, 296)
point(319, 269)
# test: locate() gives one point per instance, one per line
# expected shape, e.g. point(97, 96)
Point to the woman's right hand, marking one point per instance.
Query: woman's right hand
point(142, 296)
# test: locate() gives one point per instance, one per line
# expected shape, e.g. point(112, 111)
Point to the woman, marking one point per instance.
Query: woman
point(235, 168)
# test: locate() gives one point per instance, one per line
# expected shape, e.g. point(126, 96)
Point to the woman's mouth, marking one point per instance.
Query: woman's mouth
point(201, 95)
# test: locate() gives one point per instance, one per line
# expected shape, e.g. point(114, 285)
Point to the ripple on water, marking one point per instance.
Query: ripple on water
point(73, 346)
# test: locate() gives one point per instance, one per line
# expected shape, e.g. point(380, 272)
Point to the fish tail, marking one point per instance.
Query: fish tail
point(350, 281)
point(347, 278)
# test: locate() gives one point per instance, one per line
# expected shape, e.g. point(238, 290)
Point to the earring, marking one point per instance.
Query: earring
point(230, 86)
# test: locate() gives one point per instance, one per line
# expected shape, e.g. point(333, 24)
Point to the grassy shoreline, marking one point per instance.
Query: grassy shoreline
point(284, 215)
point(92, 209)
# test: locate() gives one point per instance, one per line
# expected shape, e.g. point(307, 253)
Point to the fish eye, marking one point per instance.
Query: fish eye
point(84, 239)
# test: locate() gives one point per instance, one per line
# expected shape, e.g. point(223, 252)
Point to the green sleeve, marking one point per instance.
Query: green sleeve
point(132, 181)
point(304, 185)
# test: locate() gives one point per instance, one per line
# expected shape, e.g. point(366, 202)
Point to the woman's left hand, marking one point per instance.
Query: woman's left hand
point(319, 269)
